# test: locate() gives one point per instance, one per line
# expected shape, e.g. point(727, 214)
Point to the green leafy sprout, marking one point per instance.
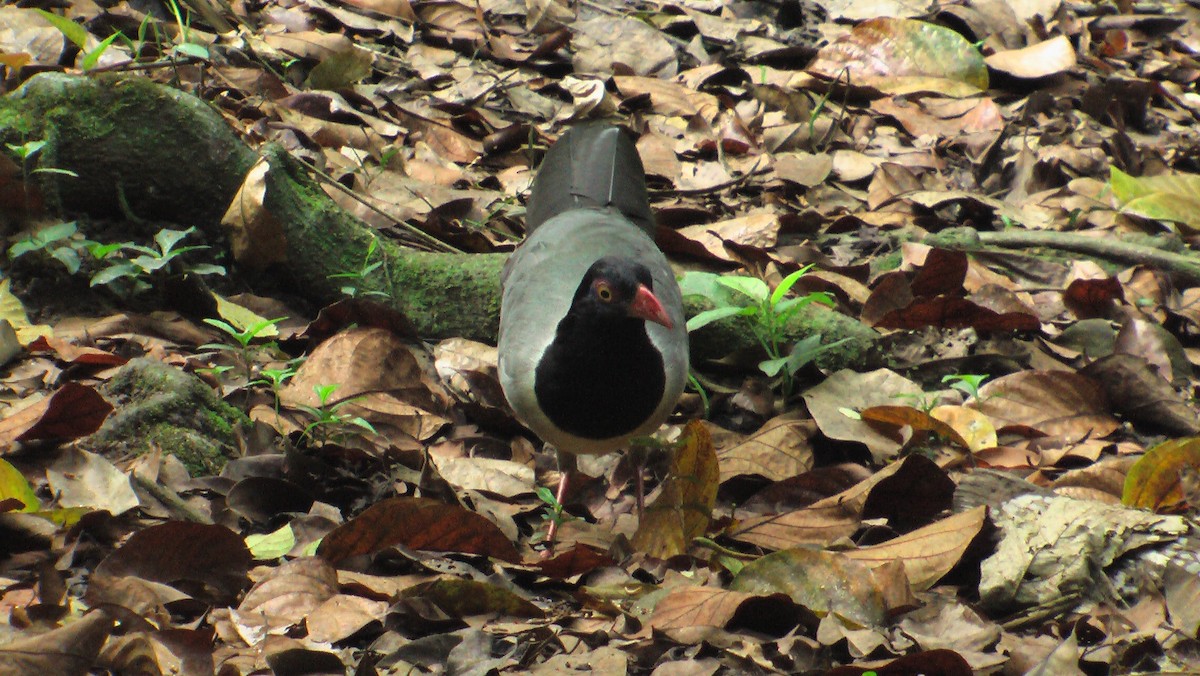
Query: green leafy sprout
point(554, 510)
point(767, 311)
point(241, 351)
point(327, 417)
point(966, 383)
point(137, 263)
point(358, 277)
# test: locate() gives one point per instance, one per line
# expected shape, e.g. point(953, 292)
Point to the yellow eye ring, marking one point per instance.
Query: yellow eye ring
point(604, 292)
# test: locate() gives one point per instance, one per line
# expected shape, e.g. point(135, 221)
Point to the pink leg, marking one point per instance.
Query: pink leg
point(562, 492)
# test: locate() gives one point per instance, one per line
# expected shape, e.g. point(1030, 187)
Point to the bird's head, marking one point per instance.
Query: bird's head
point(615, 288)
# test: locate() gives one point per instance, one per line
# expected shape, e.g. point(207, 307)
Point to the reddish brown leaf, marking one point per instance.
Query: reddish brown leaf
point(75, 354)
point(942, 273)
point(578, 559)
point(956, 313)
point(73, 411)
point(417, 523)
point(1089, 298)
point(179, 551)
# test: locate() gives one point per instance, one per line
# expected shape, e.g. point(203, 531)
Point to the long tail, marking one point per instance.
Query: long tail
point(593, 165)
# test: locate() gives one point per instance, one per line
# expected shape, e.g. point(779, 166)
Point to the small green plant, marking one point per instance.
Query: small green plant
point(25, 152)
point(185, 47)
point(327, 417)
point(553, 512)
point(768, 312)
point(923, 402)
point(966, 383)
point(57, 241)
point(78, 36)
point(241, 350)
point(359, 276)
point(149, 262)
point(275, 378)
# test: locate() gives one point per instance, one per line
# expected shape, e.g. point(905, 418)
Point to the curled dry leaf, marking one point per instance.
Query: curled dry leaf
point(1052, 402)
point(341, 616)
point(73, 411)
point(1156, 480)
point(684, 507)
point(1048, 57)
point(82, 479)
point(973, 427)
point(927, 553)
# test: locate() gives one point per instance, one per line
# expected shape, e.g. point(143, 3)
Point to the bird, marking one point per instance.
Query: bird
point(593, 345)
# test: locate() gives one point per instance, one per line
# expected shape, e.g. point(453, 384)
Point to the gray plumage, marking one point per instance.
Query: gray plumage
point(588, 201)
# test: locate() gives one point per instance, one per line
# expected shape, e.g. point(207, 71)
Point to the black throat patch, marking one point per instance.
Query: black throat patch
point(600, 377)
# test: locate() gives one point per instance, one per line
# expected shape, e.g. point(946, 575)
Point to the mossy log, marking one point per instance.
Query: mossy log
point(151, 154)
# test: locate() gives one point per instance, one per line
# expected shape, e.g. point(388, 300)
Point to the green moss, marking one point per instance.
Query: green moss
point(196, 451)
point(109, 129)
point(159, 406)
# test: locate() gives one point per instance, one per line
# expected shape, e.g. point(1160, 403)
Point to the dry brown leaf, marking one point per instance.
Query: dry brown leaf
point(416, 523)
point(73, 411)
point(1054, 403)
point(778, 450)
point(1049, 57)
point(759, 230)
point(684, 507)
point(927, 553)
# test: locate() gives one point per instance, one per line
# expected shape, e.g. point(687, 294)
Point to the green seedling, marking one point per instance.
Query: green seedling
point(78, 36)
point(138, 264)
point(327, 418)
point(57, 241)
point(25, 152)
point(767, 311)
point(359, 276)
point(553, 511)
point(185, 47)
point(240, 351)
point(275, 379)
point(923, 401)
point(966, 383)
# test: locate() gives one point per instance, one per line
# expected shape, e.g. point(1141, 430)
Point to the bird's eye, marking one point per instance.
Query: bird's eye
point(604, 292)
